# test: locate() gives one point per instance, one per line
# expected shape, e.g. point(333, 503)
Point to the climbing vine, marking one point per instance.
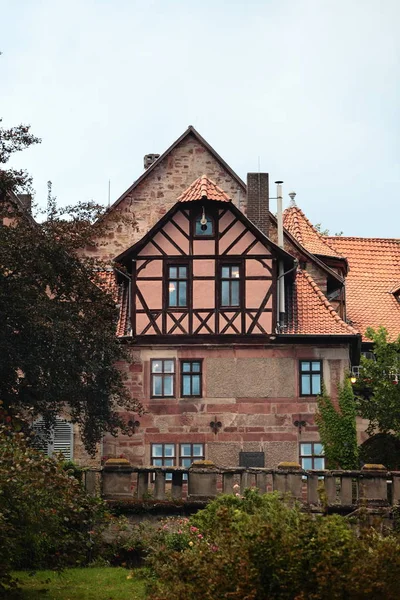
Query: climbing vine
point(337, 428)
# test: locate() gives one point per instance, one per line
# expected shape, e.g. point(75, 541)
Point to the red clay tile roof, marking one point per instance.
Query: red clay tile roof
point(310, 313)
point(201, 188)
point(297, 224)
point(371, 282)
point(120, 295)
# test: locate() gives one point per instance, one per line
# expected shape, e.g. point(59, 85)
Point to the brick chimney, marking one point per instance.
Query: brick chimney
point(149, 159)
point(258, 200)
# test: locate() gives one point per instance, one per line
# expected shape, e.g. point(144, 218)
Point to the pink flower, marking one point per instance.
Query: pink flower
point(214, 548)
point(200, 536)
point(193, 529)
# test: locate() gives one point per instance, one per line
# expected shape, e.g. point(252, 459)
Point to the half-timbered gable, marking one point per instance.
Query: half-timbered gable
point(203, 270)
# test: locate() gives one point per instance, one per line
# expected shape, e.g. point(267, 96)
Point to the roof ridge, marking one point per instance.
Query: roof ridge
point(361, 238)
point(323, 299)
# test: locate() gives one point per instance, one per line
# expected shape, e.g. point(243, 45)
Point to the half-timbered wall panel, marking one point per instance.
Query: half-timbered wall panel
point(255, 292)
point(259, 267)
point(167, 246)
point(152, 292)
point(181, 220)
point(225, 220)
point(243, 244)
point(257, 249)
point(226, 280)
point(177, 236)
point(150, 250)
point(228, 239)
point(204, 268)
point(149, 268)
point(203, 247)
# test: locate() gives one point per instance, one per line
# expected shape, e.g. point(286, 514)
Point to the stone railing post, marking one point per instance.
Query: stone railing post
point(395, 487)
point(227, 482)
point(159, 485)
point(346, 488)
point(261, 482)
point(117, 477)
point(91, 481)
point(373, 485)
point(312, 488)
point(288, 479)
point(202, 483)
point(142, 484)
point(330, 488)
point(244, 481)
point(176, 487)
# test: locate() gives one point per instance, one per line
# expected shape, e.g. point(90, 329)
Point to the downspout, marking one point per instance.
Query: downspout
point(281, 279)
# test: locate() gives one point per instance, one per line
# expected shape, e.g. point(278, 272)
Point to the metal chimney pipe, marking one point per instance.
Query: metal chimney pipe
point(281, 278)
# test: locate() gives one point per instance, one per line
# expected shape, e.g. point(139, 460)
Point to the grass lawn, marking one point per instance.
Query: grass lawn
point(104, 583)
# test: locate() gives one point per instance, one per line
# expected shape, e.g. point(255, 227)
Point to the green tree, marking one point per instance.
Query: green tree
point(337, 427)
point(58, 349)
point(377, 388)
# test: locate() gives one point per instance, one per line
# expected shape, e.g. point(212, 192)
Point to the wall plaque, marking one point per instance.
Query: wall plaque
point(251, 459)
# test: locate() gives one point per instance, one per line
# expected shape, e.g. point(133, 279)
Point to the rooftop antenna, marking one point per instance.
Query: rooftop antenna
point(109, 193)
point(292, 196)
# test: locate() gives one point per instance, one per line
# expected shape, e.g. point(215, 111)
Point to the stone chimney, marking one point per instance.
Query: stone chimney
point(149, 159)
point(26, 201)
point(258, 200)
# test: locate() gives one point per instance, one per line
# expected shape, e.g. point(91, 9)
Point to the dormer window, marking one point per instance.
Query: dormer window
point(204, 225)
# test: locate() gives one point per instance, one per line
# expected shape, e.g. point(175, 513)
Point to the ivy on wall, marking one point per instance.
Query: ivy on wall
point(337, 428)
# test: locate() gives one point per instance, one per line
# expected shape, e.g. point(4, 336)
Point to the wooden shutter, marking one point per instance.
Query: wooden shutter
point(60, 440)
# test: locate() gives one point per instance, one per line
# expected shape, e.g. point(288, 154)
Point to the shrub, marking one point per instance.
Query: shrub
point(262, 548)
point(46, 517)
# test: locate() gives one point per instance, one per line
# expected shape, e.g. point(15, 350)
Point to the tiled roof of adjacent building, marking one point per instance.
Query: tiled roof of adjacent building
point(309, 311)
point(201, 188)
point(120, 296)
point(297, 224)
point(371, 282)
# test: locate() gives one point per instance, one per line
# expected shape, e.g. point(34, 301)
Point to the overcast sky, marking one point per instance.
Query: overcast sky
point(306, 89)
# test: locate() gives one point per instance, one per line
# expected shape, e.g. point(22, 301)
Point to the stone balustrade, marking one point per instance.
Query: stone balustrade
point(372, 486)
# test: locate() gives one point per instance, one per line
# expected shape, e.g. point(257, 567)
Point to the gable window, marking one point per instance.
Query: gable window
point(177, 282)
point(312, 456)
point(163, 455)
point(59, 440)
point(310, 377)
point(203, 225)
point(230, 285)
point(191, 378)
point(162, 378)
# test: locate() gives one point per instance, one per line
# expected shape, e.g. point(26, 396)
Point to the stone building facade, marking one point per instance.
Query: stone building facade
point(225, 380)
point(250, 384)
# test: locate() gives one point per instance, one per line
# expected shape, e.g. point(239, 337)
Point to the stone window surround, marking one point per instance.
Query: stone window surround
point(164, 374)
point(169, 460)
point(191, 374)
point(309, 373)
point(313, 456)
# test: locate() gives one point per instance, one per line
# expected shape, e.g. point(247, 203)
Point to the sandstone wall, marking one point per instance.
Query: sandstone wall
point(253, 392)
point(159, 191)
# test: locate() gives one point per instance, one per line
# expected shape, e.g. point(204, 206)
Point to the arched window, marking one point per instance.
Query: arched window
point(59, 440)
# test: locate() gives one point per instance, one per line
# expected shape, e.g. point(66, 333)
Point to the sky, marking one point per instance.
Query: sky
point(307, 90)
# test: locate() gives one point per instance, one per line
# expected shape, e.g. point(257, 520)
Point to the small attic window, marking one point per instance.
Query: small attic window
point(204, 225)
